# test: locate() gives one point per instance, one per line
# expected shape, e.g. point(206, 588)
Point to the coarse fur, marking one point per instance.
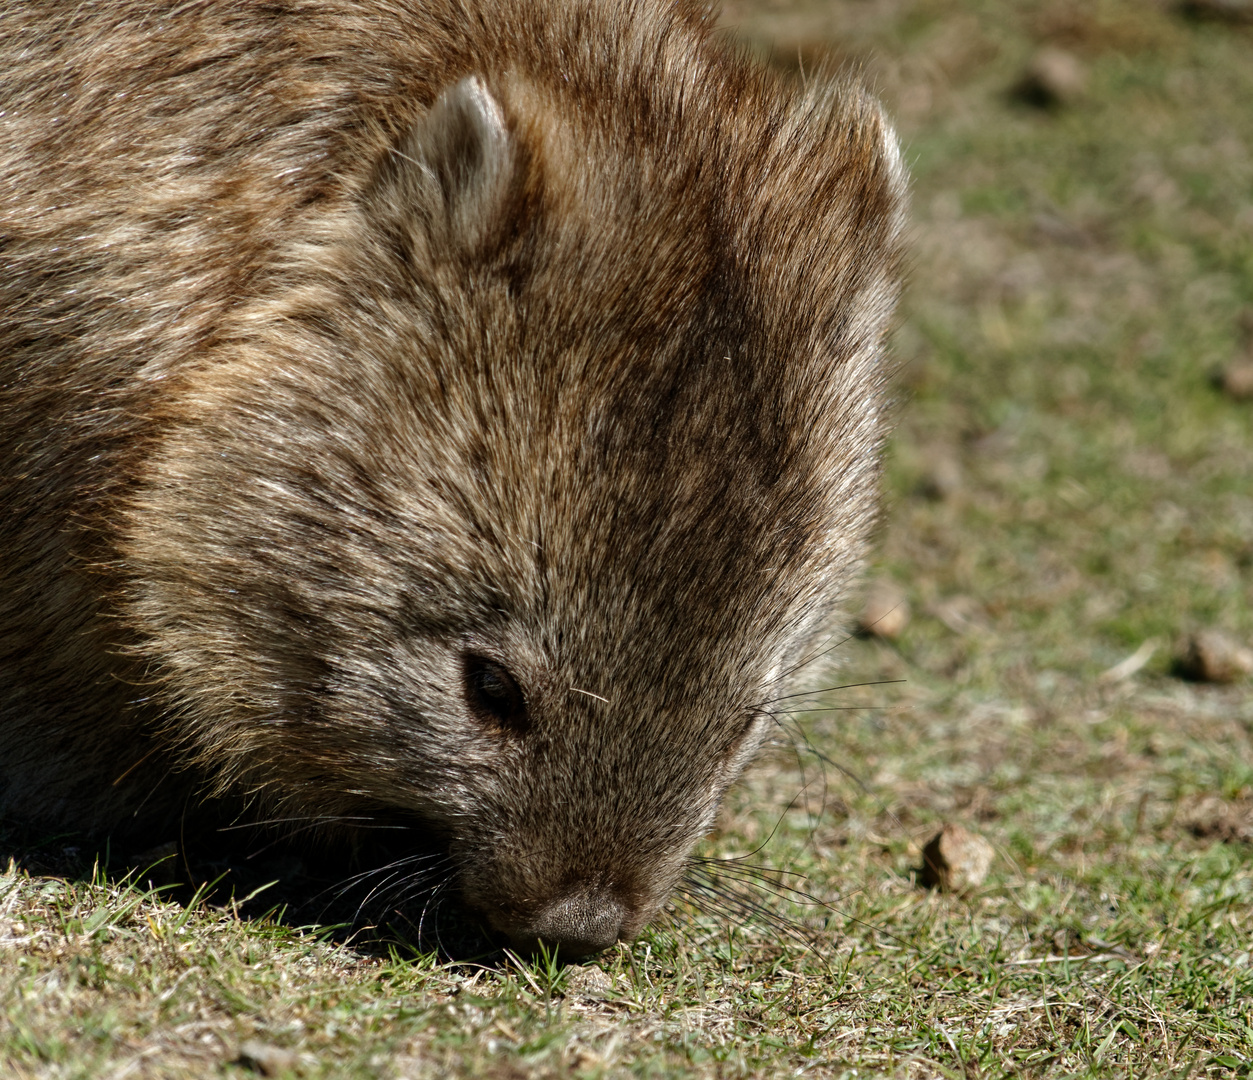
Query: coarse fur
point(468, 410)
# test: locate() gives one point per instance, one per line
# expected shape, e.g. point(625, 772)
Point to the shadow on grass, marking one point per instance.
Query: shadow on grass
point(376, 894)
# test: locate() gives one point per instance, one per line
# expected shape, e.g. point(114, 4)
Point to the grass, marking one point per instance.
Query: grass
point(1079, 274)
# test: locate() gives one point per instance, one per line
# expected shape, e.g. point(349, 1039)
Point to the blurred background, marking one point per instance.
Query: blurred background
point(1049, 697)
point(1065, 569)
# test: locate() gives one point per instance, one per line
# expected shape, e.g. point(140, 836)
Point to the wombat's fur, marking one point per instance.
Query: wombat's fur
point(458, 409)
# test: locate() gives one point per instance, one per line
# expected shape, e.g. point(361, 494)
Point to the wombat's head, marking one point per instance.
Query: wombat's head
point(534, 478)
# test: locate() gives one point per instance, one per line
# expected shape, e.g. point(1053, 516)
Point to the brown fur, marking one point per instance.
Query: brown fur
point(350, 346)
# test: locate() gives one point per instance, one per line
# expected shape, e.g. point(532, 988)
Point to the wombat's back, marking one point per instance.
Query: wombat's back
point(154, 159)
point(467, 411)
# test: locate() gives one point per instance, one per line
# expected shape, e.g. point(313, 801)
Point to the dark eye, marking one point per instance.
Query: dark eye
point(494, 695)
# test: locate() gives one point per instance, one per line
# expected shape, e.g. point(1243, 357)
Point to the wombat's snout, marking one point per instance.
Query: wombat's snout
point(573, 926)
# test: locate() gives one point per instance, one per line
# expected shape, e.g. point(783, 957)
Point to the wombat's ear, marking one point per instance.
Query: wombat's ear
point(453, 174)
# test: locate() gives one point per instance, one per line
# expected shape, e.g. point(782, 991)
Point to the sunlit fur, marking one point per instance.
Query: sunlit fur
point(343, 338)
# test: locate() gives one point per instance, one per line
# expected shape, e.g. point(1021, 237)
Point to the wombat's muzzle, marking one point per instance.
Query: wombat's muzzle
point(573, 927)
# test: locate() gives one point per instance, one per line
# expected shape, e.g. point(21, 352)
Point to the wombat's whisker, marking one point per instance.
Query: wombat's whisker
point(804, 711)
point(411, 876)
point(829, 905)
point(313, 825)
point(372, 893)
point(825, 690)
point(432, 861)
point(431, 908)
point(735, 903)
point(357, 820)
point(844, 770)
point(803, 663)
point(412, 887)
point(716, 899)
point(737, 867)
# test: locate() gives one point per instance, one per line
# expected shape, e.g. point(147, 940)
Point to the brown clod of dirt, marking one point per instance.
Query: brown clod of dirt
point(265, 1059)
point(886, 611)
point(1236, 379)
point(955, 860)
point(1211, 817)
point(1053, 78)
point(1211, 656)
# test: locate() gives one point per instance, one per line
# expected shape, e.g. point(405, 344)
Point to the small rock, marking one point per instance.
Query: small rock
point(1245, 321)
point(955, 860)
point(266, 1059)
point(1053, 78)
point(1211, 656)
point(886, 612)
point(1236, 379)
point(590, 983)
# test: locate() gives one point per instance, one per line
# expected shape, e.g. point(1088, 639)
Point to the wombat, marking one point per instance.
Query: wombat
point(457, 412)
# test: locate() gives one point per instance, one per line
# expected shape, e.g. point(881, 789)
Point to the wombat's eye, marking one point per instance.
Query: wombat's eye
point(494, 695)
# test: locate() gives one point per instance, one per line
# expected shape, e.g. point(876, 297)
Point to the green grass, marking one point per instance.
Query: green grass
point(1079, 274)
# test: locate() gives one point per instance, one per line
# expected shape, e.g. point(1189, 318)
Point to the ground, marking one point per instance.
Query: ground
point(1068, 499)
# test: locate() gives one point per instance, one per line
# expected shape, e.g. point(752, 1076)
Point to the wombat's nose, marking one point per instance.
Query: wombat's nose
point(575, 926)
